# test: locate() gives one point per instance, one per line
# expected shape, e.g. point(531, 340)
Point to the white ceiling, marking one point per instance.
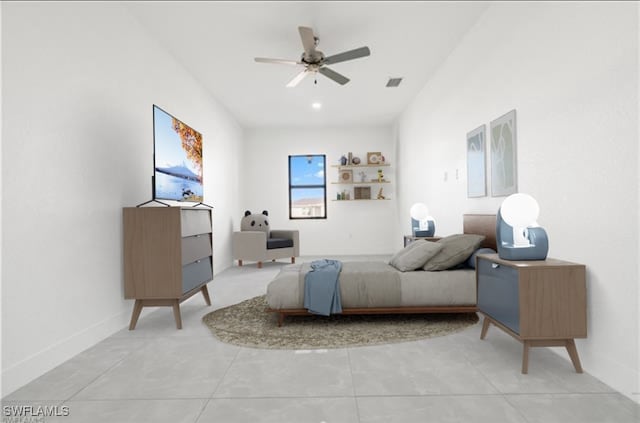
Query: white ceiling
point(217, 43)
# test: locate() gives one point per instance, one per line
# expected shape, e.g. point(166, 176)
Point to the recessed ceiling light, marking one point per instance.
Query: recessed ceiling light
point(316, 105)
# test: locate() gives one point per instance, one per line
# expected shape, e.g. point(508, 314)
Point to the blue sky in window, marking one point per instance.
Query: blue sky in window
point(307, 170)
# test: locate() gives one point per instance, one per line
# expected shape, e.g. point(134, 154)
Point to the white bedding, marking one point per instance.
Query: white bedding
point(376, 284)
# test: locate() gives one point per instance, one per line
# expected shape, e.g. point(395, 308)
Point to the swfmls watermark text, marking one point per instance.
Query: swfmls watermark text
point(32, 413)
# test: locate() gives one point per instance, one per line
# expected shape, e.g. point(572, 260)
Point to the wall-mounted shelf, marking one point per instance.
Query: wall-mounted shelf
point(364, 199)
point(360, 165)
point(361, 183)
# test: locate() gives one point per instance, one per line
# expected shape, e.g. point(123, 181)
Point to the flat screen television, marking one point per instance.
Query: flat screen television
point(177, 159)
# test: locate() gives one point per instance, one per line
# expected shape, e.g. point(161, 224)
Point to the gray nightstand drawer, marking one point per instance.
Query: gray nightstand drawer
point(498, 293)
point(196, 247)
point(195, 273)
point(195, 222)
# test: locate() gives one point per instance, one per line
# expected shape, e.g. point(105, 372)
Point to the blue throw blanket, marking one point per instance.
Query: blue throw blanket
point(321, 287)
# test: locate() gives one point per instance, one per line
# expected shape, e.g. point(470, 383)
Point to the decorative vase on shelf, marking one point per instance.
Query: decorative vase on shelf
point(343, 160)
point(356, 160)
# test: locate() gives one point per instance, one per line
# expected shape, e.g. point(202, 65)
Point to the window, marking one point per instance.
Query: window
point(307, 187)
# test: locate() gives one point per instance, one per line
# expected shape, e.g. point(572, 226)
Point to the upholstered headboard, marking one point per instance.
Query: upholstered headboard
point(481, 224)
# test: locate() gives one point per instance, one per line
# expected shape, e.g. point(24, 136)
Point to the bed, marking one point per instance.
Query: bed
point(378, 288)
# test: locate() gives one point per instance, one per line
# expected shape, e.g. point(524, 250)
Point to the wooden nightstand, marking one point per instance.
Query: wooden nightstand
point(539, 303)
point(408, 239)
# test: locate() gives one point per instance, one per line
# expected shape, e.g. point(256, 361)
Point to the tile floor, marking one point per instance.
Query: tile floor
point(159, 374)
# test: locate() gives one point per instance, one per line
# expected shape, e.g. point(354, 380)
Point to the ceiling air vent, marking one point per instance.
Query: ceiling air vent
point(394, 82)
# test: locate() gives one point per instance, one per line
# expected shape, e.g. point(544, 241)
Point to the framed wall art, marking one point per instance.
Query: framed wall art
point(503, 155)
point(476, 158)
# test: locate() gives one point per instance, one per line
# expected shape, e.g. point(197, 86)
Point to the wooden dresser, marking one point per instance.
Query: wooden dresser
point(168, 257)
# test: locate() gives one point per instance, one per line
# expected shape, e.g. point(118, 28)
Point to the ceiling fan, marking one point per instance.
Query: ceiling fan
point(314, 60)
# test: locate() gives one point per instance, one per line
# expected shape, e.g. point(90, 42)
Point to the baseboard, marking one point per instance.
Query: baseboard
point(39, 363)
point(621, 378)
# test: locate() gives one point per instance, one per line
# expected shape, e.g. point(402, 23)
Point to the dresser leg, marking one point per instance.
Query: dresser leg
point(259, 265)
point(525, 357)
point(485, 327)
point(573, 354)
point(293, 260)
point(239, 262)
point(137, 308)
point(205, 294)
point(176, 314)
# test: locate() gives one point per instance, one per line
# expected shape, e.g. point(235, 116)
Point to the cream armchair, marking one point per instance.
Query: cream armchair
point(256, 242)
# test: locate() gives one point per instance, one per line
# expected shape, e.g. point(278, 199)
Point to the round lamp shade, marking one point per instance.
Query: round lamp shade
point(419, 211)
point(520, 210)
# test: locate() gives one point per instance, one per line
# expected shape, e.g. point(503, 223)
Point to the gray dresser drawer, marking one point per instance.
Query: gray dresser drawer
point(196, 273)
point(196, 247)
point(195, 222)
point(498, 293)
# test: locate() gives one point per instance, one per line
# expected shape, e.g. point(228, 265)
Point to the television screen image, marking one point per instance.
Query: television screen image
point(177, 159)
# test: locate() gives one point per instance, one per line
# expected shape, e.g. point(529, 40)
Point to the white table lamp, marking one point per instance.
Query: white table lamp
point(422, 224)
point(520, 211)
point(518, 235)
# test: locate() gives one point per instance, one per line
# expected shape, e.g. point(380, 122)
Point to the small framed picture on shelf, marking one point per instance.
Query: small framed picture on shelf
point(362, 193)
point(346, 176)
point(373, 157)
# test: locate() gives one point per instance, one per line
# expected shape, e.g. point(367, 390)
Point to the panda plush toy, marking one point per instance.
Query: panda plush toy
point(255, 222)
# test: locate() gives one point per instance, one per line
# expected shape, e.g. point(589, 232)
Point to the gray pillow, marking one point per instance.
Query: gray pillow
point(456, 250)
point(415, 255)
point(471, 261)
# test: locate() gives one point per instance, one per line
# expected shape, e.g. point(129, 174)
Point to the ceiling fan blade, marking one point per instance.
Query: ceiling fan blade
point(279, 61)
point(299, 77)
point(340, 79)
point(308, 39)
point(348, 55)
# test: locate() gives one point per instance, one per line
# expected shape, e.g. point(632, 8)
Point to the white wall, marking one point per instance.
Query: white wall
point(351, 227)
point(571, 72)
point(79, 80)
point(636, 393)
point(1, 219)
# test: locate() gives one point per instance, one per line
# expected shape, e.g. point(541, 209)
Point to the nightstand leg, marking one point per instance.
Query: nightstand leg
point(525, 357)
point(485, 327)
point(573, 354)
point(176, 314)
point(137, 308)
point(205, 294)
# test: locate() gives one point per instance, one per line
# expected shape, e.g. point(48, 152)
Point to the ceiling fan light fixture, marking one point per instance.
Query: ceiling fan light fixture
point(314, 61)
point(394, 82)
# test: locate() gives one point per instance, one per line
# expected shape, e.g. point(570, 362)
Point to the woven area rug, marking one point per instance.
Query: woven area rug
point(248, 324)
